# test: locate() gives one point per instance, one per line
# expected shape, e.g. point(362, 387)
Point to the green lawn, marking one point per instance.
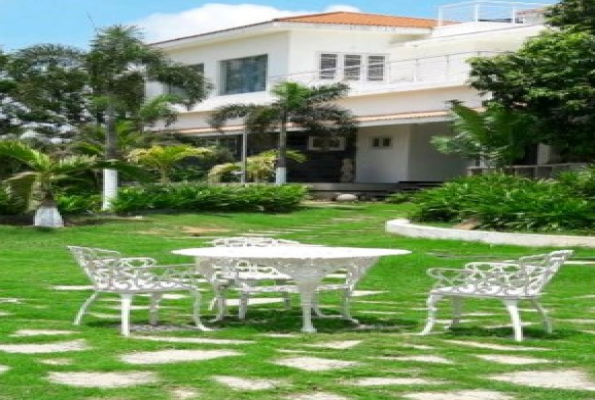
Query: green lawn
point(33, 262)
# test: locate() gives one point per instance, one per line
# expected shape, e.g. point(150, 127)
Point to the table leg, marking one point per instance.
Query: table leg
point(307, 292)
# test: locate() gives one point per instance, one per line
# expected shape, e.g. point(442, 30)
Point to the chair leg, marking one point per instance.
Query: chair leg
point(286, 300)
point(84, 307)
point(213, 303)
point(221, 305)
point(154, 308)
point(547, 324)
point(457, 311)
point(243, 309)
point(316, 306)
point(196, 310)
point(513, 310)
point(126, 301)
point(346, 307)
point(431, 321)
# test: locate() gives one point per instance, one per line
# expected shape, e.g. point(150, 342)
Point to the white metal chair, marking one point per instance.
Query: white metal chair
point(128, 276)
point(249, 279)
point(509, 282)
point(247, 275)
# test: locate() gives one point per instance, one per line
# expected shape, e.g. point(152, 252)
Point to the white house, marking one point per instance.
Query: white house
point(401, 71)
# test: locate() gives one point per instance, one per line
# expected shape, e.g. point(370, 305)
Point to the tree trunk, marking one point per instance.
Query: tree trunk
point(110, 176)
point(281, 167)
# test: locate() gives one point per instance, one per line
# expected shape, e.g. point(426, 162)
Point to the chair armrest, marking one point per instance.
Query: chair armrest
point(136, 262)
point(482, 268)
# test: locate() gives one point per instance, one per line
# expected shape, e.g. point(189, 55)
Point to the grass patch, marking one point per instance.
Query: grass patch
point(34, 261)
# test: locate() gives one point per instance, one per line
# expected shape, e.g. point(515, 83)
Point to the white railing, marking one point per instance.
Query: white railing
point(492, 11)
point(392, 75)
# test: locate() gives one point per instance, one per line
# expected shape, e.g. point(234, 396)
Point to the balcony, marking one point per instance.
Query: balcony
point(492, 12)
point(392, 76)
point(396, 75)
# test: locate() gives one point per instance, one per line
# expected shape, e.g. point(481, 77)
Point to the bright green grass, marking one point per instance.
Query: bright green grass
point(32, 261)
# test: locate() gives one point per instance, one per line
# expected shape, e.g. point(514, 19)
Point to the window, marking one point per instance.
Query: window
point(328, 66)
point(179, 91)
point(352, 67)
point(376, 67)
point(244, 75)
point(319, 143)
point(381, 142)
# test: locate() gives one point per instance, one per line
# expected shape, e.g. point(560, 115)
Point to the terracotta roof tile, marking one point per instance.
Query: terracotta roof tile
point(353, 18)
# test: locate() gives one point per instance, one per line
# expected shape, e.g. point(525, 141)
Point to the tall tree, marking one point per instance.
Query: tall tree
point(294, 104)
point(496, 136)
point(552, 78)
point(120, 66)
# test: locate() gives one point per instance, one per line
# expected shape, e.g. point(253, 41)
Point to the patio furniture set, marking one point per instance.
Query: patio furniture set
point(258, 265)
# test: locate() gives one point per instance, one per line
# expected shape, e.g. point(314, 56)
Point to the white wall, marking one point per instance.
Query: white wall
point(386, 165)
point(275, 45)
point(425, 162)
point(306, 45)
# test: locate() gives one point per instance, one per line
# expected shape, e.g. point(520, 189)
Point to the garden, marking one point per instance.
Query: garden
point(43, 356)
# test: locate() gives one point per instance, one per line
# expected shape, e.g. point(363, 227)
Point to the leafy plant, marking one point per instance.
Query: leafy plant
point(504, 202)
point(201, 197)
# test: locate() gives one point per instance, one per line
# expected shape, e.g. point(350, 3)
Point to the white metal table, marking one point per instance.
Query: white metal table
point(307, 266)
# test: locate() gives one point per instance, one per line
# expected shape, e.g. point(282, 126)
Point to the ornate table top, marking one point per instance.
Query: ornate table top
point(289, 252)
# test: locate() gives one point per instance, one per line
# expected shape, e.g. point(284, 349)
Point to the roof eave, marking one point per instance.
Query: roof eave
point(265, 27)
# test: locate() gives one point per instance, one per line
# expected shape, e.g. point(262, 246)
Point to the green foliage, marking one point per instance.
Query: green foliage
point(11, 204)
point(399, 198)
point(260, 167)
point(311, 108)
point(581, 182)
point(497, 136)
point(200, 197)
point(78, 204)
point(551, 78)
point(504, 202)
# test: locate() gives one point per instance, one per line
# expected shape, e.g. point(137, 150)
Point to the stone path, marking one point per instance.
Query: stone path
point(314, 363)
point(175, 356)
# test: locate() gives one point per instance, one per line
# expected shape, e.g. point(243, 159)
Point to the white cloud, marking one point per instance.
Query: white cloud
point(215, 16)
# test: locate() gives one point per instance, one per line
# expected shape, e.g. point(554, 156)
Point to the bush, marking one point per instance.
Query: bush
point(504, 202)
point(78, 203)
point(10, 204)
point(201, 197)
point(399, 197)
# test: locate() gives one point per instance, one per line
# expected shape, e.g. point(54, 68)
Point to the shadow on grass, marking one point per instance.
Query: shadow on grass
point(270, 321)
point(506, 332)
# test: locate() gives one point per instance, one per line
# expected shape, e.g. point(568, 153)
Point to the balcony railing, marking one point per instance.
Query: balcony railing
point(492, 11)
point(392, 75)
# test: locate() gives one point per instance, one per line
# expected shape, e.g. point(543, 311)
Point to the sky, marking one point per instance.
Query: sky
point(73, 22)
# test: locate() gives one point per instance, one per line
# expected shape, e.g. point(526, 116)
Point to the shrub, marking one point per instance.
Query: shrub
point(506, 202)
point(78, 203)
point(10, 204)
point(201, 197)
point(399, 197)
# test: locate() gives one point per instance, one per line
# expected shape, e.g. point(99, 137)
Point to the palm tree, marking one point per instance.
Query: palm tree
point(41, 174)
point(306, 107)
point(496, 136)
point(164, 158)
point(120, 65)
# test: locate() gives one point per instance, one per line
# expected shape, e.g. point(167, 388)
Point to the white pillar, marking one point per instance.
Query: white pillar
point(110, 188)
point(280, 176)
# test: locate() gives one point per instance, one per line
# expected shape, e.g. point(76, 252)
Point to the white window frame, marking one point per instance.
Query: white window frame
point(364, 68)
point(340, 146)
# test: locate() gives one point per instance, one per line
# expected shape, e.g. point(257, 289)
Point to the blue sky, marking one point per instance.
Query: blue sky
point(27, 22)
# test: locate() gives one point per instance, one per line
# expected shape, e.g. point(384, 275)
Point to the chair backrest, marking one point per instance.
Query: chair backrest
point(540, 269)
point(243, 241)
point(96, 263)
